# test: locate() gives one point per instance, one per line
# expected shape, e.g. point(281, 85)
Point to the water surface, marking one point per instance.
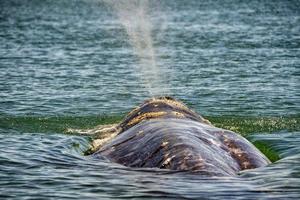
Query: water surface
point(68, 64)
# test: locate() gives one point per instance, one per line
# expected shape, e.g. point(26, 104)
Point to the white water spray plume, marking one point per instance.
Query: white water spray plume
point(134, 16)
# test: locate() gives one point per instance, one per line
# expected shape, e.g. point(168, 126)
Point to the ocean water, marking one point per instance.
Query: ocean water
point(70, 64)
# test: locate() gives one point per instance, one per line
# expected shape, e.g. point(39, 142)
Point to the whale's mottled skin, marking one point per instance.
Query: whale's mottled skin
point(164, 133)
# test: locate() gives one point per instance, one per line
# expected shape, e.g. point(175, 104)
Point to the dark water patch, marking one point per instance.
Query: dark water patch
point(285, 144)
point(267, 150)
point(248, 125)
point(59, 124)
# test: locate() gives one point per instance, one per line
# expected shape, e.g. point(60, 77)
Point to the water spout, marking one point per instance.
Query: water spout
point(134, 17)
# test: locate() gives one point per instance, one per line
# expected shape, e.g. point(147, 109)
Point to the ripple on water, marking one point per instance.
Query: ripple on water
point(41, 164)
point(73, 59)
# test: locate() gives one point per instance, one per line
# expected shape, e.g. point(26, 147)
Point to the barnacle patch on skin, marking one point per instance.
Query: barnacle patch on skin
point(178, 114)
point(170, 102)
point(214, 142)
point(140, 132)
point(164, 144)
point(236, 152)
point(98, 143)
point(168, 160)
point(176, 104)
point(246, 165)
point(145, 116)
point(169, 108)
point(134, 110)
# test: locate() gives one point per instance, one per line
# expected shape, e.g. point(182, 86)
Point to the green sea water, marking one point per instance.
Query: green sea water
point(69, 64)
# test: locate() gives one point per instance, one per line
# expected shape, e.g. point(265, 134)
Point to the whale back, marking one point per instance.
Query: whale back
point(162, 107)
point(164, 133)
